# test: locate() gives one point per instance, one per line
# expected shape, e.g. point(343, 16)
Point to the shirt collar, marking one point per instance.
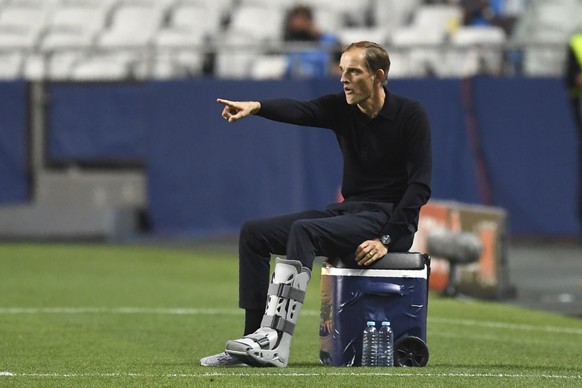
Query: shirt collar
point(390, 108)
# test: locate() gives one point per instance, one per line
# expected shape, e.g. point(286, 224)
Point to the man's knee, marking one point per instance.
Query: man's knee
point(301, 228)
point(252, 228)
point(247, 228)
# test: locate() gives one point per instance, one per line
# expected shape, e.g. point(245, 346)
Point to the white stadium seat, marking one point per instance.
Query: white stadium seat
point(131, 26)
point(419, 52)
point(21, 26)
point(475, 50)
point(10, 65)
point(103, 68)
point(257, 23)
point(269, 67)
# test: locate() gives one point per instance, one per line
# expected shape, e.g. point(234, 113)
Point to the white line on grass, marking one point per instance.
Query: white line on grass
point(127, 310)
point(293, 374)
point(307, 312)
point(118, 310)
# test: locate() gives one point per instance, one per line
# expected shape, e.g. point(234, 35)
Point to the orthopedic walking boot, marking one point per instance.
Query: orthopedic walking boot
point(269, 345)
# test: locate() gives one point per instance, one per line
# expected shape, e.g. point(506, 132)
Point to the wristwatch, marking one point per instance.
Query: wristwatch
point(385, 239)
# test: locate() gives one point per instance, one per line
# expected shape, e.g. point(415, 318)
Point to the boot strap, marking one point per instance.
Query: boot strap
point(286, 291)
point(278, 323)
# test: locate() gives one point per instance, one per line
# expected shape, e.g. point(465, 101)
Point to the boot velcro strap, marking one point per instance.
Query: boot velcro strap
point(278, 323)
point(286, 291)
point(263, 342)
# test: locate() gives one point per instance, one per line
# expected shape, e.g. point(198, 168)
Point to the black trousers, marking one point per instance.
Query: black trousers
point(335, 231)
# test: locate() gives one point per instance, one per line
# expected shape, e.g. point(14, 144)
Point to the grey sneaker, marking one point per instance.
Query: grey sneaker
point(221, 359)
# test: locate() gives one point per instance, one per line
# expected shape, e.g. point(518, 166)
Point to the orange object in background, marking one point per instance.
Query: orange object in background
point(488, 277)
point(433, 215)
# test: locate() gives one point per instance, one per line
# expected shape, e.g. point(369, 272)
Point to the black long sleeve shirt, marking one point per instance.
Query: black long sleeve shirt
point(385, 159)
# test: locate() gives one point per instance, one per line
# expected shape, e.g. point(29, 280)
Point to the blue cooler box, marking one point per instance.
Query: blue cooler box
point(393, 289)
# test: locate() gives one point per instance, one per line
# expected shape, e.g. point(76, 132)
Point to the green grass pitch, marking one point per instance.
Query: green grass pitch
point(104, 315)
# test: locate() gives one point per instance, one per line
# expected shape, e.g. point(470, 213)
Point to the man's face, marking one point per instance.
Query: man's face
point(357, 79)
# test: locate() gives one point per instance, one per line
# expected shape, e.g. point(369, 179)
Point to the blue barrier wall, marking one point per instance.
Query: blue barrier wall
point(530, 146)
point(89, 122)
point(501, 142)
point(14, 182)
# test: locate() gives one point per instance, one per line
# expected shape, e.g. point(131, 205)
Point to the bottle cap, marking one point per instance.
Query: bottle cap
point(371, 323)
point(386, 323)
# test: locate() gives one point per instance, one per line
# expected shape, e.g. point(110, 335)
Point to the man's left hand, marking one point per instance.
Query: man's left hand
point(370, 251)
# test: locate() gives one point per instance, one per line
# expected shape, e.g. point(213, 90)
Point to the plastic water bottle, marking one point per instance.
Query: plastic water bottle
point(370, 345)
point(385, 345)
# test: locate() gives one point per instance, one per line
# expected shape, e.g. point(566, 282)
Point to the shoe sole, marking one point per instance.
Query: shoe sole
point(224, 365)
point(217, 363)
point(246, 359)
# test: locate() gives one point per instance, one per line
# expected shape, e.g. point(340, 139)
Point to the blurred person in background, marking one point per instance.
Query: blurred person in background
point(317, 61)
point(385, 142)
point(481, 12)
point(573, 78)
point(500, 13)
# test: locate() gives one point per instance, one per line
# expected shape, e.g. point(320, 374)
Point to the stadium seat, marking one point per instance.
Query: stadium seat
point(103, 67)
point(56, 67)
point(437, 18)
point(167, 65)
point(328, 20)
point(401, 67)
point(131, 26)
point(419, 51)
point(208, 20)
point(78, 19)
point(180, 44)
point(33, 68)
point(61, 48)
point(269, 67)
point(10, 65)
point(178, 38)
point(10, 39)
point(102, 4)
point(46, 26)
point(393, 14)
point(21, 26)
point(418, 46)
point(350, 13)
point(224, 7)
point(550, 24)
point(280, 5)
point(257, 23)
point(355, 34)
point(38, 4)
point(63, 39)
point(234, 57)
point(178, 54)
point(475, 50)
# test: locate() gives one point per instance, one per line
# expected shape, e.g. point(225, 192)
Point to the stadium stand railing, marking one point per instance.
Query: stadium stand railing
point(162, 39)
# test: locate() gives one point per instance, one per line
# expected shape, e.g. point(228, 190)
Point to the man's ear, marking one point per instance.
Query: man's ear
point(379, 76)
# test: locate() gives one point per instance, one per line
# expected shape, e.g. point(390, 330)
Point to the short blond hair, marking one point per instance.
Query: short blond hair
point(375, 56)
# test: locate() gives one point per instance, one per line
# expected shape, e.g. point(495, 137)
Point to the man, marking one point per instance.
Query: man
point(386, 146)
point(311, 62)
point(573, 78)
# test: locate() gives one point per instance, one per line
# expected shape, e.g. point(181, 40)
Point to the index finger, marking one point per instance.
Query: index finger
point(225, 102)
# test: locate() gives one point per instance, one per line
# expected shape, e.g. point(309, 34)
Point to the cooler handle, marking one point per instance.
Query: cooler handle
point(384, 289)
point(375, 289)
